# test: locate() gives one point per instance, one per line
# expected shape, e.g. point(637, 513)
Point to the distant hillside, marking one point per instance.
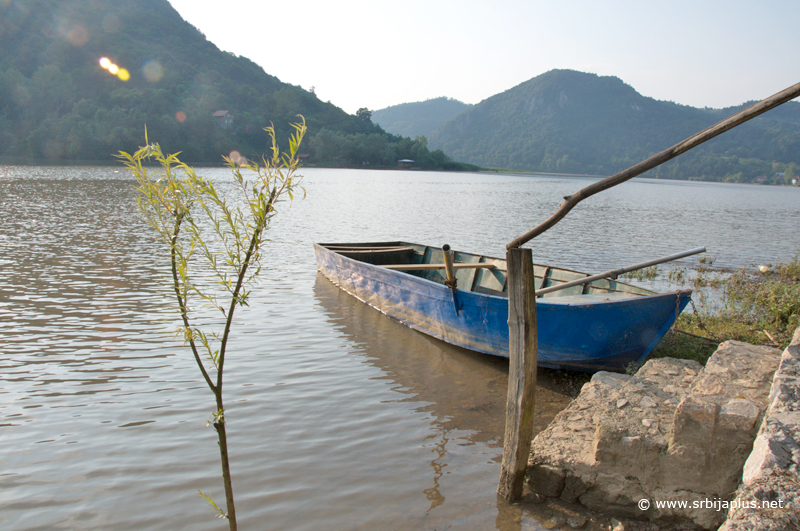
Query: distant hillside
point(58, 103)
point(420, 118)
point(572, 122)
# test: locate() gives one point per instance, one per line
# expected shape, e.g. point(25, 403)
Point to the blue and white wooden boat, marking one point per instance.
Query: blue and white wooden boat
point(600, 325)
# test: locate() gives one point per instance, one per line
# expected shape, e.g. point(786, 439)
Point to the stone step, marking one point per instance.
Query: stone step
point(674, 431)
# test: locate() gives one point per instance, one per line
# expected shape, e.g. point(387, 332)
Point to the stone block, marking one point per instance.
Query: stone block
point(694, 423)
point(737, 424)
point(612, 379)
point(674, 431)
point(684, 468)
point(693, 514)
point(768, 454)
point(738, 369)
point(772, 471)
point(614, 492)
point(777, 447)
point(739, 415)
point(546, 480)
point(575, 487)
point(670, 372)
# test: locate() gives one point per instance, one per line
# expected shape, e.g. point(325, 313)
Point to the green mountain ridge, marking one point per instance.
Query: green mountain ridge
point(566, 121)
point(58, 104)
point(419, 118)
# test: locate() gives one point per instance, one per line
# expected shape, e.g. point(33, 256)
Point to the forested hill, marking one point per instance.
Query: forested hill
point(420, 118)
point(572, 122)
point(58, 103)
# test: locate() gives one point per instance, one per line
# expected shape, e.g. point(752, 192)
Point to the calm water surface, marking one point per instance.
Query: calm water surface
point(339, 418)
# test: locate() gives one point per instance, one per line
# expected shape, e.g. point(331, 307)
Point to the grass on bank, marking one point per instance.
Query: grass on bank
point(761, 308)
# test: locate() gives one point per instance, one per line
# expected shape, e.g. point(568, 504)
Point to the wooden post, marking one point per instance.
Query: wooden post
point(521, 372)
point(449, 259)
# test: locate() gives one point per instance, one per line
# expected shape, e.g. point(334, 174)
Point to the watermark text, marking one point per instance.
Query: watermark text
point(715, 503)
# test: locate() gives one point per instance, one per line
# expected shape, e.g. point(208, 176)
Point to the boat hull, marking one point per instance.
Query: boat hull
point(574, 333)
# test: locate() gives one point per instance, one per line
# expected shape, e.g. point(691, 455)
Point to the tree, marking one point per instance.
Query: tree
point(287, 101)
point(54, 91)
point(789, 173)
point(214, 250)
point(365, 114)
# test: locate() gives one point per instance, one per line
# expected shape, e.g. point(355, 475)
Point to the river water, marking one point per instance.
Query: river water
point(338, 417)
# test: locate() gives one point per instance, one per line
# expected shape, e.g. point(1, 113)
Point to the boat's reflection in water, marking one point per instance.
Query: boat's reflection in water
point(464, 392)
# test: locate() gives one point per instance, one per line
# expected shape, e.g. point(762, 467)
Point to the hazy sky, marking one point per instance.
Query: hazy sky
point(376, 53)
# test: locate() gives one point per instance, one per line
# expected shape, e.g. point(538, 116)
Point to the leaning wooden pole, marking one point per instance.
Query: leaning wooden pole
point(521, 372)
point(682, 147)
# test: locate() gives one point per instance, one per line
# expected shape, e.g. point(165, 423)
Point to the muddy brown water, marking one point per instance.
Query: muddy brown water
point(339, 417)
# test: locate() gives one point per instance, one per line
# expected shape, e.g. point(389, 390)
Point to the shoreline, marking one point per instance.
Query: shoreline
point(26, 162)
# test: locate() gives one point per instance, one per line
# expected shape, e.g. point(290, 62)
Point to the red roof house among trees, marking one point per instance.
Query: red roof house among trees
point(224, 119)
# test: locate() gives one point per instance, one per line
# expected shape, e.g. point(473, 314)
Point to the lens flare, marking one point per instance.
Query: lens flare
point(180, 116)
point(78, 35)
point(153, 71)
point(237, 158)
point(114, 69)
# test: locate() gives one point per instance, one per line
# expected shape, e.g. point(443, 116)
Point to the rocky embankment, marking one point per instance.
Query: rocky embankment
point(669, 444)
point(772, 472)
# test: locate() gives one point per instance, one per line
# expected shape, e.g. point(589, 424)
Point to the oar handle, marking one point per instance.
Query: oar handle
point(614, 273)
point(449, 258)
point(657, 261)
